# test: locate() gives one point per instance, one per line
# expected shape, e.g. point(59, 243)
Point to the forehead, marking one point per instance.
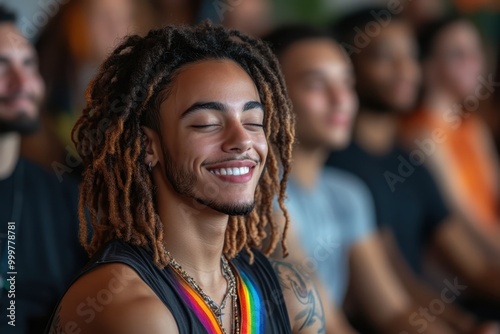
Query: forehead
point(397, 33)
point(12, 42)
point(321, 54)
point(457, 32)
point(211, 81)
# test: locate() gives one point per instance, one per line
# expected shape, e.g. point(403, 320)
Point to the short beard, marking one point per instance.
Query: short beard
point(184, 182)
point(241, 209)
point(23, 125)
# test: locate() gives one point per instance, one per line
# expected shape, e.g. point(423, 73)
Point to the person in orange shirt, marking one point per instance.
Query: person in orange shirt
point(447, 128)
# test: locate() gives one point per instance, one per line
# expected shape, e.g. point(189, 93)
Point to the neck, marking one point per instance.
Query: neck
point(376, 132)
point(194, 235)
point(307, 164)
point(9, 153)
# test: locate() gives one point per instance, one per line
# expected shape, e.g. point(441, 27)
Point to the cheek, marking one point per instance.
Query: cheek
point(451, 69)
point(3, 86)
point(351, 103)
point(193, 153)
point(318, 103)
point(454, 75)
point(37, 85)
point(311, 107)
point(261, 146)
point(415, 72)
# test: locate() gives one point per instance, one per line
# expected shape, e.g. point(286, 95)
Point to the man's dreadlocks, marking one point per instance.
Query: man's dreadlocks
point(117, 192)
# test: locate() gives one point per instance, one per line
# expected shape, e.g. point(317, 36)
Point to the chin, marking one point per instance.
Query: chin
point(234, 209)
point(338, 144)
point(338, 138)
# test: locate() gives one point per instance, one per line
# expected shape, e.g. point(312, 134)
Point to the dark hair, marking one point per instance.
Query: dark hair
point(428, 35)
point(6, 15)
point(282, 38)
point(345, 29)
point(127, 92)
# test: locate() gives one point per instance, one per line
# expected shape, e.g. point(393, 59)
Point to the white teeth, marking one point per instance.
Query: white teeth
point(231, 171)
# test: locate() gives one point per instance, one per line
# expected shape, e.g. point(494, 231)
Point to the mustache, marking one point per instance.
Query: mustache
point(18, 96)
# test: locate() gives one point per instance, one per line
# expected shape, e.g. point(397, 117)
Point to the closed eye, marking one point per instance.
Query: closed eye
point(203, 126)
point(254, 126)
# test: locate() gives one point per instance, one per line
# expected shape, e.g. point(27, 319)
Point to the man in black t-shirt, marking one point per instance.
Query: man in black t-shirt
point(181, 191)
point(410, 210)
point(413, 211)
point(39, 247)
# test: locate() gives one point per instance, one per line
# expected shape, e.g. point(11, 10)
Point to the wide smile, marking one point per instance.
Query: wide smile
point(235, 172)
point(231, 171)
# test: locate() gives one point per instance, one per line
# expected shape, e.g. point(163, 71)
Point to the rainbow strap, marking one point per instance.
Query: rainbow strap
point(251, 306)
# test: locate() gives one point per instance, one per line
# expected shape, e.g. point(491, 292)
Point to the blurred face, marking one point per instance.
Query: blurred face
point(456, 61)
point(320, 84)
point(108, 22)
point(423, 11)
point(387, 71)
point(21, 87)
point(251, 17)
point(214, 144)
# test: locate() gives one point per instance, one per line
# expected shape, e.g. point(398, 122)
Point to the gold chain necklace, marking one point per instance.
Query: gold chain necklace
point(231, 291)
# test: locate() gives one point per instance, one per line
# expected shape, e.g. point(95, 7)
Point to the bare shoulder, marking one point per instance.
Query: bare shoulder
point(302, 299)
point(112, 299)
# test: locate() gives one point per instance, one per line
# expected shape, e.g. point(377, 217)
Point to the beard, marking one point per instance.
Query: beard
point(22, 124)
point(375, 104)
point(184, 182)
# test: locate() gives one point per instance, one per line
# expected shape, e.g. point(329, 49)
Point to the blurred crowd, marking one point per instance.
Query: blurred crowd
point(395, 191)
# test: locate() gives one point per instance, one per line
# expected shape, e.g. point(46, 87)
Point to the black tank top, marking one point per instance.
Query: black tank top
point(274, 317)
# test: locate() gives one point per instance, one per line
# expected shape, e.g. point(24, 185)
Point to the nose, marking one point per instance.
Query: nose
point(336, 94)
point(408, 67)
point(236, 138)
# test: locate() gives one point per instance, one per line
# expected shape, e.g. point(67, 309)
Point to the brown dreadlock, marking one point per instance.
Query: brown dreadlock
point(117, 191)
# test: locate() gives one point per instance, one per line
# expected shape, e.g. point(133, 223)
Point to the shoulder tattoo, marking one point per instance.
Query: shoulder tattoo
point(299, 286)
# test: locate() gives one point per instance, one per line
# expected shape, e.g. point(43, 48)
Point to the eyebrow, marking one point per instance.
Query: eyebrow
point(218, 106)
point(319, 73)
point(311, 73)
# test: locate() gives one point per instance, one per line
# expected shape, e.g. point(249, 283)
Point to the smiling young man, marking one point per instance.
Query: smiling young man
point(181, 189)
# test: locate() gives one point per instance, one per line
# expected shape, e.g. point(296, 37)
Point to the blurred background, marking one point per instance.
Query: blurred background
point(73, 37)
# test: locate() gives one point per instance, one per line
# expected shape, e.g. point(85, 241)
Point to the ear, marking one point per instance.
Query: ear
point(153, 146)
